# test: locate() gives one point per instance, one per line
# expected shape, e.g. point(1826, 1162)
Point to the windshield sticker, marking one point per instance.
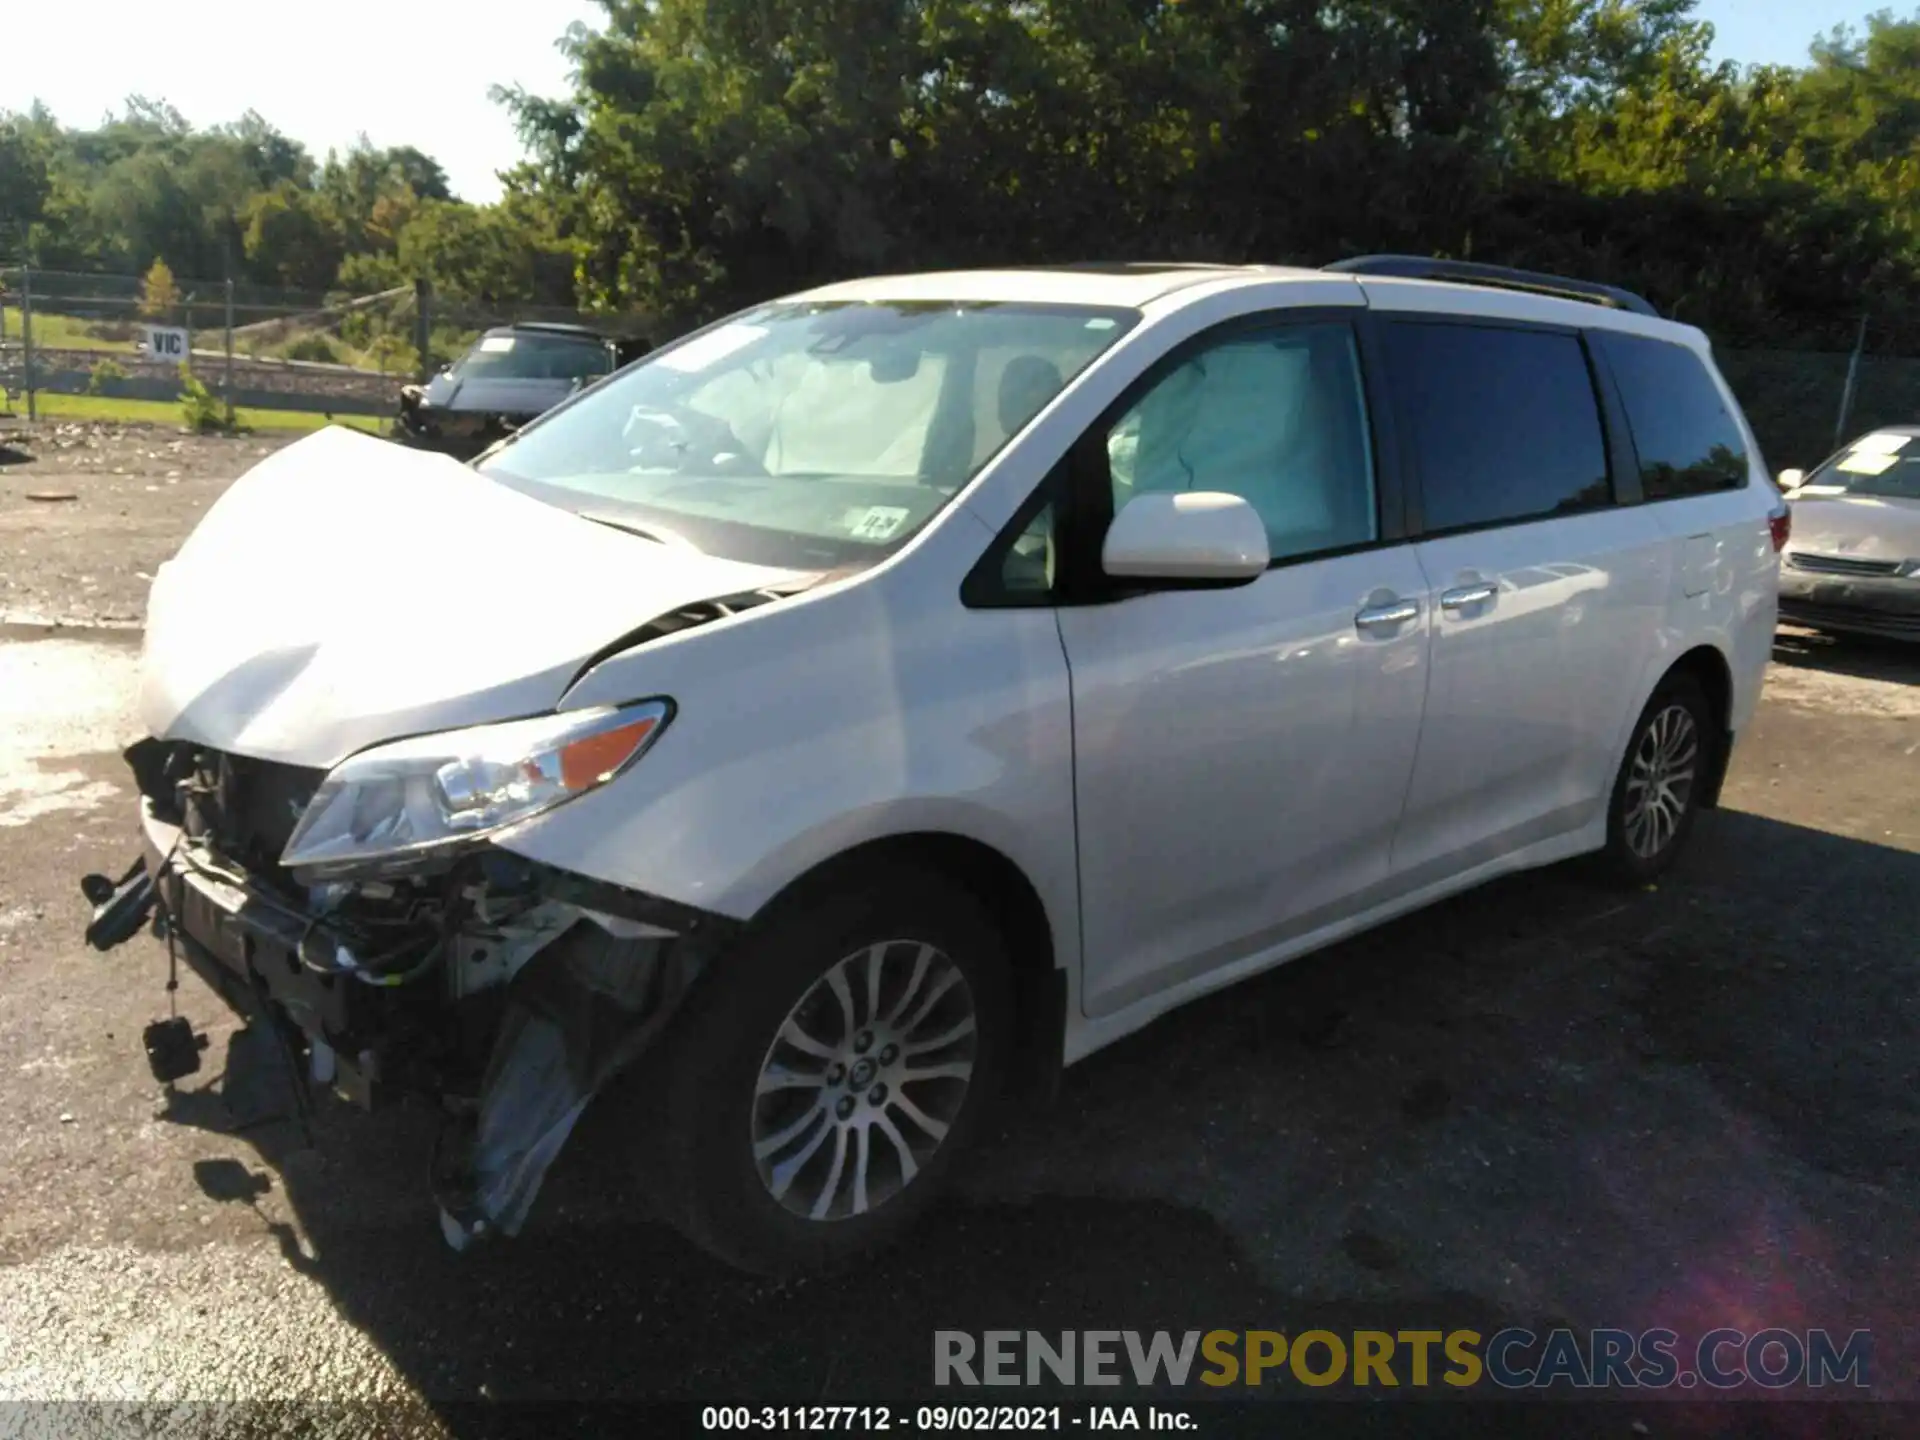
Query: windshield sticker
point(1881, 444)
point(877, 522)
point(1865, 462)
point(496, 344)
point(714, 345)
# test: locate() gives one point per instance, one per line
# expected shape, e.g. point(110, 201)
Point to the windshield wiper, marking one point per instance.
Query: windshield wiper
point(658, 534)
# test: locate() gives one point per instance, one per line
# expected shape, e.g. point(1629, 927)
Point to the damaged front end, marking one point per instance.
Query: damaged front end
point(462, 433)
point(509, 991)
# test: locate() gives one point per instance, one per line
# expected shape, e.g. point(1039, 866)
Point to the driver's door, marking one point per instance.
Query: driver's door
point(1242, 755)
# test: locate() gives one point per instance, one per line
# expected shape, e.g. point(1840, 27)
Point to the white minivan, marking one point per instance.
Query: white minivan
point(881, 698)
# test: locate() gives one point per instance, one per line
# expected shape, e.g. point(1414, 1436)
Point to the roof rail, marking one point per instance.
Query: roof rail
point(1499, 277)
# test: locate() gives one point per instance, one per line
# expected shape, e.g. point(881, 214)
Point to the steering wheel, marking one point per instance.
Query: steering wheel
point(671, 440)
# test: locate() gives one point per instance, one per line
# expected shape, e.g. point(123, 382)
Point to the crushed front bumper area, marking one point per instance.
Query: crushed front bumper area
point(1888, 607)
point(509, 992)
point(459, 433)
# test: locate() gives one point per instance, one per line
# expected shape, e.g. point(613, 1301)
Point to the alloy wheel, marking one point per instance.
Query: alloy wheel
point(863, 1080)
point(1660, 781)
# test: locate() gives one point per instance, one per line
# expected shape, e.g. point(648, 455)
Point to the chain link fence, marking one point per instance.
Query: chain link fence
point(1803, 404)
point(128, 338)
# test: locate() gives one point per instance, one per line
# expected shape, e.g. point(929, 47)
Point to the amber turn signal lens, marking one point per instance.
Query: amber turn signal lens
point(587, 762)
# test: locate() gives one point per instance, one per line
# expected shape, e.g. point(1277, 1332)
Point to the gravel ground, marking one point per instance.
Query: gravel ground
point(130, 494)
point(1539, 1103)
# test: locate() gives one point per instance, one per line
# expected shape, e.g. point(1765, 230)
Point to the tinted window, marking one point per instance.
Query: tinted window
point(1276, 417)
point(1687, 439)
point(1504, 422)
point(534, 357)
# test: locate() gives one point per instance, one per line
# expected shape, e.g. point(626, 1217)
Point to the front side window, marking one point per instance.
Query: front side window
point(1505, 423)
point(1277, 417)
point(808, 435)
point(1687, 438)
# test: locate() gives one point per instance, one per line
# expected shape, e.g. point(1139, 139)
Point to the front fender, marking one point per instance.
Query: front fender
point(807, 728)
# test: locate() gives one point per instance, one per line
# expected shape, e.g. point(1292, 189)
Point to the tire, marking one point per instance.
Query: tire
point(1673, 746)
point(748, 1172)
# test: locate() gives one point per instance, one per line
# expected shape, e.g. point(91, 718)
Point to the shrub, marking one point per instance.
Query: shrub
point(102, 372)
point(312, 347)
point(200, 410)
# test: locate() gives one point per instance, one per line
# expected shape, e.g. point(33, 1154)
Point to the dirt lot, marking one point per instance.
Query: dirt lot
point(1540, 1103)
point(121, 498)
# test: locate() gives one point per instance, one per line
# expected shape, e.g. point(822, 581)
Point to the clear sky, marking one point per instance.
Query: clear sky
point(410, 73)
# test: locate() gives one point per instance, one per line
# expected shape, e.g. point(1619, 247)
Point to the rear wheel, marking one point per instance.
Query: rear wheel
point(821, 1085)
point(1656, 795)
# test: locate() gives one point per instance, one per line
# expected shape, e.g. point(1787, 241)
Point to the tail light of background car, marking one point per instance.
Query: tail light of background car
point(1780, 522)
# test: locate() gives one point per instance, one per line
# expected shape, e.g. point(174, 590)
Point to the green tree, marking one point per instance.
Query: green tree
point(291, 239)
point(493, 254)
point(24, 184)
point(272, 158)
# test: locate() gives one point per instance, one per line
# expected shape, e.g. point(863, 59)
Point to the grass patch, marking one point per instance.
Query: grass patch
point(167, 412)
point(60, 332)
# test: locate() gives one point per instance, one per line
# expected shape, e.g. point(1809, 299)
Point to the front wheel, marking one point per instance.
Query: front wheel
point(1656, 795)
point(830, 1070)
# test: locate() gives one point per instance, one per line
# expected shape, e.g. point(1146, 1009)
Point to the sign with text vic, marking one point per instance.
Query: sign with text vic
point(164, 342)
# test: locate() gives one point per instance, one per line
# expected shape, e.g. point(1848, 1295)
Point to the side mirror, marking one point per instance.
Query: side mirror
point(1791, 479)
point(1199, 535)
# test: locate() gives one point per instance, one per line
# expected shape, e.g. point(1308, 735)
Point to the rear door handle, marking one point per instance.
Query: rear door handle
point(1384, 617)
point(1467, 595)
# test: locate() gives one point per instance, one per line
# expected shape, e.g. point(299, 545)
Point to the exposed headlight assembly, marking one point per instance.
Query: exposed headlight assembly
point(397, 806)
point(1910, 569)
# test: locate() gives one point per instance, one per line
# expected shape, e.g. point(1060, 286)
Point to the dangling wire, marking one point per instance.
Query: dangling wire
point(173, 975)
point(166, 918)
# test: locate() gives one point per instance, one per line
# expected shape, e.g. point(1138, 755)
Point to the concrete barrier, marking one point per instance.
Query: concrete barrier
point(167, 388)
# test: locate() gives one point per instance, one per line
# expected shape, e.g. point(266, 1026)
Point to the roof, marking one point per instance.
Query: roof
point(1452, 297)
point(1118, 283)
point(1136, 285)
point(549, 327)
point(1496, 277)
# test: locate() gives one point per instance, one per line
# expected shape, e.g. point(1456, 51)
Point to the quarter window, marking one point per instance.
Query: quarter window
point(1276, 417)
point(1687, 438)
point(1026, 570)
point(1504, 422)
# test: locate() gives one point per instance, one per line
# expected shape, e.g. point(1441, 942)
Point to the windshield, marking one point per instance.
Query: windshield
point(808, 436)
point(1884, 463)
point(533, 357)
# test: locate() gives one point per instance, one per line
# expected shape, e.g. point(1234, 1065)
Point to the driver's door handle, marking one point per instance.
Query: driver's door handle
point(1383, 617)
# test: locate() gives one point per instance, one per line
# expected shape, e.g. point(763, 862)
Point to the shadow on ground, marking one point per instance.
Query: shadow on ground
point(1773, 972)
point(1862, 656)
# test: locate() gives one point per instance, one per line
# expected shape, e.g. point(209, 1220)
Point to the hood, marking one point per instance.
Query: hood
point(496, 396)
point(1863, 527)
point(347, 590)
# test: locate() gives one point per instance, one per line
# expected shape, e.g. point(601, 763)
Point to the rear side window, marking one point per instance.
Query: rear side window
point(1688, 440)
point(1504, 422)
